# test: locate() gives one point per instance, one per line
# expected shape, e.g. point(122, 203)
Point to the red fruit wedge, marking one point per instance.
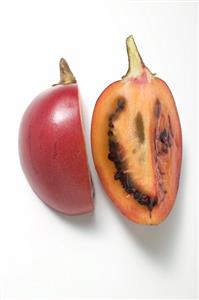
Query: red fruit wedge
point(52, 148)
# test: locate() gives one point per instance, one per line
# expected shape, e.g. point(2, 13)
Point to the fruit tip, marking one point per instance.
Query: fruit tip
point(130, 37)
point(62, 60)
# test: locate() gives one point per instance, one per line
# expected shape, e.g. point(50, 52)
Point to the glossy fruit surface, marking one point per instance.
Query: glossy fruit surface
point(137, 143)
point(52, 149)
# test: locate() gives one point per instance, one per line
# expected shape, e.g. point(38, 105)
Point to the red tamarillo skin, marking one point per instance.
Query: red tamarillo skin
point(52, 149)
point(137, 143)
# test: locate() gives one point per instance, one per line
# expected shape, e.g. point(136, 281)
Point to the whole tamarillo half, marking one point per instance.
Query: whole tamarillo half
point(52, 148)
point(137, 143)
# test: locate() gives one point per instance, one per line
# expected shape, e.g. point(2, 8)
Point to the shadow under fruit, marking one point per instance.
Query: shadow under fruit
point(52, 149)
point(137, 143)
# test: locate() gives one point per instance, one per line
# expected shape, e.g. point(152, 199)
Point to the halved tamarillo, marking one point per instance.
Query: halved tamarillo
point(137, 143)
point(52, 148)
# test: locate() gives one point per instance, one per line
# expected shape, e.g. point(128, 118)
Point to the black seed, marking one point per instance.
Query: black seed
point(152, 203)
point(129, 190)
point(117, 175)
point(119, 168)
point(110, 133)
point(128, 181)
point(145, 199)
point(123, 178)
point(164, 137)
point(111, 156)
point(137, 195)
point(121, 104)
point(117, 161)
point(142, 201)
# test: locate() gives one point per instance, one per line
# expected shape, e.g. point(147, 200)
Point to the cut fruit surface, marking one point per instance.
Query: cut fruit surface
point(137, 144)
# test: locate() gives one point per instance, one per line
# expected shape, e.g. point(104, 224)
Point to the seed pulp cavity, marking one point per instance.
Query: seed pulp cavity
point(120, 164)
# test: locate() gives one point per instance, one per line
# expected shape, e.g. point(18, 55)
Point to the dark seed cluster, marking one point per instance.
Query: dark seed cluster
point(121, 165)
point(165, 139)
point(129, 187)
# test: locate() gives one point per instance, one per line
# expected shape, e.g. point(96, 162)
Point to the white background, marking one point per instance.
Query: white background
point(45, 254)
